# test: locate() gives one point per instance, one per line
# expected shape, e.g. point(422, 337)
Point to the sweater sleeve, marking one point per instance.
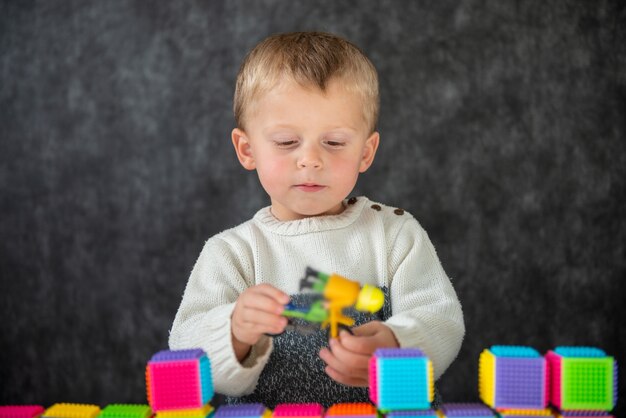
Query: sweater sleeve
point(426, 312)
point(203, 318)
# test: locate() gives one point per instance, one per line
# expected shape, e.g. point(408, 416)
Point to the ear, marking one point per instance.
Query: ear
point(369, 152)
point(243, 149)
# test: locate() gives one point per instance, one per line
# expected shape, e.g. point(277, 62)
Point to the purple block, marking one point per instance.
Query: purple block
point(176, 355)
point(466, 410)
point(520, 383)
point(398, 352)
point(244, 410)
point(412, 413)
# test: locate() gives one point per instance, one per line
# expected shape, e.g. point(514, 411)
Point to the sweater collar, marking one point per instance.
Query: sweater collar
point(353, 208)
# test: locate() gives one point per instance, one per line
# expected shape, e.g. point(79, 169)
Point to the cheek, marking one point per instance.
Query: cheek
point(273, 172)
point(348, 167)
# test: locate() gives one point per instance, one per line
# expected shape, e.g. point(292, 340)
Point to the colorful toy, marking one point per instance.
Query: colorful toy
point(352, 410)
point(515, 381)
point(126, 411)
point(525, 413)
point(315, 313)
point(401, 379)
point(338, 293)
point(21, 411)
point(414, 413)
point(584, 414)
point(204, 412)
point(513, 377)
point(582, 378)
point(299, 410)
point(179, 380)
point(72, 410)
point(465, 410)
point(253, 410)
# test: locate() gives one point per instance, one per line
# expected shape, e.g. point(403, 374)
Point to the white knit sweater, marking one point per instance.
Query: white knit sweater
point(368, 242)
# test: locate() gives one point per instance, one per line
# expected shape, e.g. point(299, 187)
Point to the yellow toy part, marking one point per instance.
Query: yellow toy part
point(370, 299)
point(340, 293)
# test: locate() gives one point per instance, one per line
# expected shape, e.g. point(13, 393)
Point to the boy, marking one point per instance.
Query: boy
point(306, 107)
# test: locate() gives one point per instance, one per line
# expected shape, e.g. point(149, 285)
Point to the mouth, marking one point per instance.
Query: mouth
point(309, 187)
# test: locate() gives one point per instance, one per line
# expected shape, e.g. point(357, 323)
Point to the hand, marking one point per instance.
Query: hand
point(348, 358)
point(257, 312)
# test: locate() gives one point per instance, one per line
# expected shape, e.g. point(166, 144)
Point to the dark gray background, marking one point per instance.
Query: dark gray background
point(502, 130)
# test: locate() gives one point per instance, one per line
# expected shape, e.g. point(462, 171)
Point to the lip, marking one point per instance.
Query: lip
point(309, 187)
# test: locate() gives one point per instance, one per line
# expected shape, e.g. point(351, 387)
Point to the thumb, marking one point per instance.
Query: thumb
point(368, 329)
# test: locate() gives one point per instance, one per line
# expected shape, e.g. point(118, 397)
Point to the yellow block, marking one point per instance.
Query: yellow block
point(72, 410)
point(527, 412)
point(203, 412)
point(487, 378)
point(431, 382)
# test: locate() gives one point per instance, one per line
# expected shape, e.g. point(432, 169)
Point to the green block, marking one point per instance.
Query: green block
point(587, 383)
point(126, 411)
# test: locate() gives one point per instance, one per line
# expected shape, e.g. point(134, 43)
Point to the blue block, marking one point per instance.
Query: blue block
point(403, 383)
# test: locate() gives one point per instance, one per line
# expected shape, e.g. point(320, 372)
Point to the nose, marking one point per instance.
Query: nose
point(310, 158)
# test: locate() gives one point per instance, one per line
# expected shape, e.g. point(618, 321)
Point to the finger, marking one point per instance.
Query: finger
point(345, 361)
point(259, 301)
point(360, 344)
point(249, 332)
point(368, 329)
point(270, 291)
point(376, 335)
point(260, 319)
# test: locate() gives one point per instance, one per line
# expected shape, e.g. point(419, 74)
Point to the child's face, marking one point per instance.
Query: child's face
point(308, 147)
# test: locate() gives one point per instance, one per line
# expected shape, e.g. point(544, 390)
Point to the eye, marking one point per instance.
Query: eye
point(286, 143)
point(334, 143)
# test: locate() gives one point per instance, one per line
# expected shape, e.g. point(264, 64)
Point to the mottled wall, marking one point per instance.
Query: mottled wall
point(502, 130)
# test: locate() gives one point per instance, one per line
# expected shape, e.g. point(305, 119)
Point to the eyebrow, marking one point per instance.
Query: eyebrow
point(286, 127)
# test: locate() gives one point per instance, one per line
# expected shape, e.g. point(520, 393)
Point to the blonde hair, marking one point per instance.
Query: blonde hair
point(310, 59)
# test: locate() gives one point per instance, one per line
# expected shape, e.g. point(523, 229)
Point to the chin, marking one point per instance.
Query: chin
point(320, 211)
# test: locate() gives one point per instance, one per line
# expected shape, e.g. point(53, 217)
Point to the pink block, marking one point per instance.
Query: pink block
point(21, 411)
point(373, 389)
point(546, 385)
point(296, 410)
point(554, 371)
point(175, 385)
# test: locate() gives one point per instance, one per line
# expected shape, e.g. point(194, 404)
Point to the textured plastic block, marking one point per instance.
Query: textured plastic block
point(401, 379)
point(251, 410)
point(21, 411)
point(518, 351)
point(526, 413)
point(72, 410)
point(513, 377)
point(352, 410)
point(126, 411)
point(373, 380)
point(205, 411)
point(179, 379)
point(415, 413)
point(296, 410)
point(584, 414)
point(176, 355)
point(465, 410)
point(582, 378)
point(580, 351)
